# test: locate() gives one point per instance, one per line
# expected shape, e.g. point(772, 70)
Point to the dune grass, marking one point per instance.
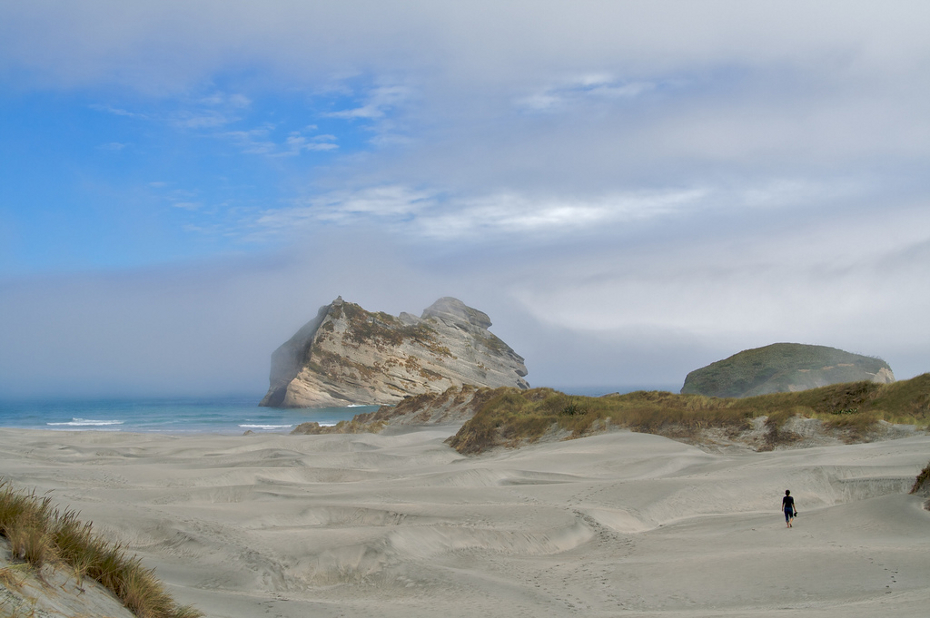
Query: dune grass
point(511, 416)
point(312, 428)
point(40, 534)
point(922, 482)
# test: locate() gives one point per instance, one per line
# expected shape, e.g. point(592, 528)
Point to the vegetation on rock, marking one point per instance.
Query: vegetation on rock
point(380, 329)
point(783, 367)
point(349, 355)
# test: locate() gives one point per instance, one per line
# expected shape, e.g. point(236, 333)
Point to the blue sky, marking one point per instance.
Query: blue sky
point(630, 190)
point(105, 180)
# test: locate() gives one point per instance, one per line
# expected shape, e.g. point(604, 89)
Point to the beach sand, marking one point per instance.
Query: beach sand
point(620, 524)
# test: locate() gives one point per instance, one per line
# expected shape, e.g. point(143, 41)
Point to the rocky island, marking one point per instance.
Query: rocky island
point(784, 368)
point(347, 355)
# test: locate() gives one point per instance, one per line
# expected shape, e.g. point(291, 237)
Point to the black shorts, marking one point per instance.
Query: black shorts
point(788, 514)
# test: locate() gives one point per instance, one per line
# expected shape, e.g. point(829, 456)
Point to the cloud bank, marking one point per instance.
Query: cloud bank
point(630, 190)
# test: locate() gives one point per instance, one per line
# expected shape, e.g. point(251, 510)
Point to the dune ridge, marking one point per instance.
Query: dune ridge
point(400, 524)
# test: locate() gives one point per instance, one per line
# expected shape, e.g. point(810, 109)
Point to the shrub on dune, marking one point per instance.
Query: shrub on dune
point(40, 534)
point(508, 416)
point(922, 484)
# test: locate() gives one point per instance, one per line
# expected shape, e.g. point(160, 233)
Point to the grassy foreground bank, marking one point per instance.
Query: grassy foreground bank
point(509, 417)
point(41, 534)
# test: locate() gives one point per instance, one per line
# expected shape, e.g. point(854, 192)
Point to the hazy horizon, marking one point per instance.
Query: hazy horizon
point(629, 190)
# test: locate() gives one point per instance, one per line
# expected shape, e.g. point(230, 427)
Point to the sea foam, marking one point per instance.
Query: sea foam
point(86, 422)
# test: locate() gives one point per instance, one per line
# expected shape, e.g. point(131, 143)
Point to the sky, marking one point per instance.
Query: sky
point(631, 190)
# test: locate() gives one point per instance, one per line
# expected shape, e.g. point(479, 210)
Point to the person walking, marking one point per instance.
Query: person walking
point(787, 505)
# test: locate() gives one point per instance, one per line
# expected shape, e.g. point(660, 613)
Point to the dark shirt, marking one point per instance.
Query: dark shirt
point(787, 503)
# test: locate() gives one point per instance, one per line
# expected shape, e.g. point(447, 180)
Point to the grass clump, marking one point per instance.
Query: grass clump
point(572, 408)
point(32, 544)
point(23, 521)
point(922, 483)
point(509, 416)
point(40, 534)
point(312, 428)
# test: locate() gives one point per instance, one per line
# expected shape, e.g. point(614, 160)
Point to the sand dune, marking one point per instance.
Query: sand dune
point(401, 525)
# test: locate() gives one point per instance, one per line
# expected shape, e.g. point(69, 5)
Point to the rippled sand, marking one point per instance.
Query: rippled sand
point(620, 524)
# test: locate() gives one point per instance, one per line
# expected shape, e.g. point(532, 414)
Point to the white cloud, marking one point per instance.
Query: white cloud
point(434, 215)
point(514, 214)
point(427, 214)
point(343, 208)
point(379, 101)
point(584, 90)
point(297, 143)
point(389, 201)
point(259, 140)
point(215, 110)
point(171, 44)
point(218, 98)
point(202, 119)
point(188, 205)
point(837, 279)
point(253, 141)
point(116, 111)
point(716, 174)
point(211, 111)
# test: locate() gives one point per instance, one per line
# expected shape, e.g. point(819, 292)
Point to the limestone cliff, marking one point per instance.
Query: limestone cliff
point(347, 355)
point(783, 368)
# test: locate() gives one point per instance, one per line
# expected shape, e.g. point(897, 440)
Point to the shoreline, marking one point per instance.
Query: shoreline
point(229, 415)
point(399, 524)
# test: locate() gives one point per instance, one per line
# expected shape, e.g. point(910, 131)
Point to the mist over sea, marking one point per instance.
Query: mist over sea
point(223, 415)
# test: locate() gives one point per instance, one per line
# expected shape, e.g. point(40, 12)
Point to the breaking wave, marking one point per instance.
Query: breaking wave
point(85, 422)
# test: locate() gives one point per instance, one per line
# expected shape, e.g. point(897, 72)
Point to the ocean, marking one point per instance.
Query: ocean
point(222, 415)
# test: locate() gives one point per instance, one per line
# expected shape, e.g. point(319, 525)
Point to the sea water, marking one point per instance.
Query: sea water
point(226, 415)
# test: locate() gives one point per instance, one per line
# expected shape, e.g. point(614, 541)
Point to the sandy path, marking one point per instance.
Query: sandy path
point(401, 525)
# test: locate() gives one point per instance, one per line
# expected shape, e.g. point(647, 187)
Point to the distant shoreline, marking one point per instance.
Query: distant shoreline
point(232, 415)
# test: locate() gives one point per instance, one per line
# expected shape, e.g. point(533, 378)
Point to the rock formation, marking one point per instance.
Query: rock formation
point(347, 355)
point(783, 368)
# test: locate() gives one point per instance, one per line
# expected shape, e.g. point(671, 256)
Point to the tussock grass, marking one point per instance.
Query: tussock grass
point(41, 534)
point(509, 416)
point(33, 545)
point(922, 483)
point(313, 428)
